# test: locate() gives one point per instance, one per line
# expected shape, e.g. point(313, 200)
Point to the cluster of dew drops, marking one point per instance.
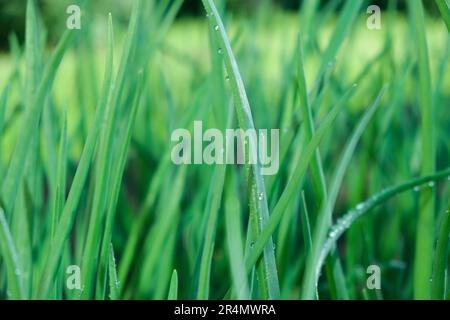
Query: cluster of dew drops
point(430, 184)
point(219, 50)
point(344, 222)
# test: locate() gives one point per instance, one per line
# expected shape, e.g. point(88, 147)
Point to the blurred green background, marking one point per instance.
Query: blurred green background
point(12, 13)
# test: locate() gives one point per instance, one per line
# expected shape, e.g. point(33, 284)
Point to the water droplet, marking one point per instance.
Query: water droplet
point(431, 184)
point(227, 78)
point(344, 221)
point(252, 245)
point(354, 85)
point(219, 51)
point(216, 28)
point(360, 206)
point(416, 189)
point(448, 178)
point(261, 196)
point(431, 279)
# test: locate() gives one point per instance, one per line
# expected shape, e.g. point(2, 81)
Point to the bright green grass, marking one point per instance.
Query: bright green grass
point(86, 177)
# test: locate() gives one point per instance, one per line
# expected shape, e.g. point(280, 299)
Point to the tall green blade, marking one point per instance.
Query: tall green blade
point(294, 182)
point(325, 215)
point(441, 258)
point(234, 240)
point(67, 217)
point(113, 282)
point(425, 224)
point(318, 178)
point(29, 125)
point(116, 177)
point(11, 260)
point(173, 287)
point(245, 119)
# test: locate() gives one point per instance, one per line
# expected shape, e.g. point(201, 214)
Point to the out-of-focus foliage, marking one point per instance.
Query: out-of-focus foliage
point(12, 13)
